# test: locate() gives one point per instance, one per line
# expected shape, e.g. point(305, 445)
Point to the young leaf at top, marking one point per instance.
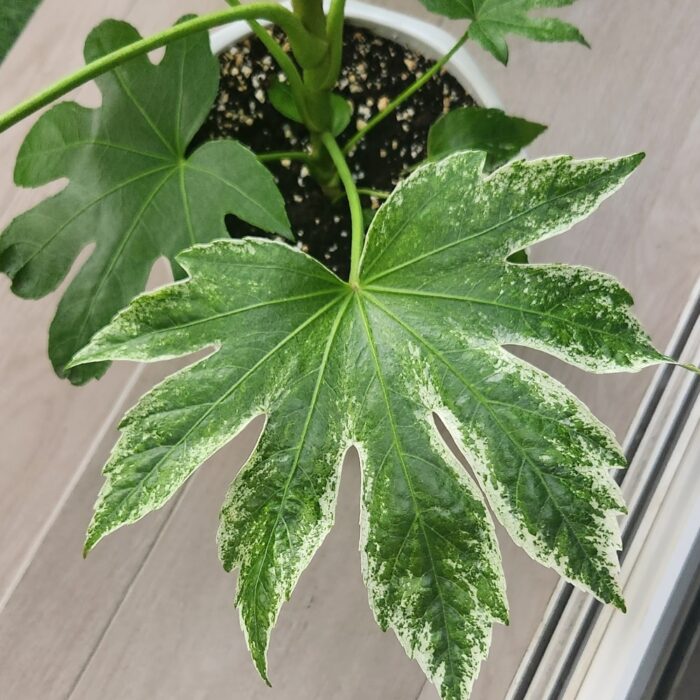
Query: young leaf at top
point(133, 189)
point(493, 19)
point(281, 98)
point(480, 129)
point(332, 365)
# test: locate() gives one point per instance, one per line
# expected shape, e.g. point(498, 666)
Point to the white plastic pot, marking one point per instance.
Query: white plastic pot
point(420, 36)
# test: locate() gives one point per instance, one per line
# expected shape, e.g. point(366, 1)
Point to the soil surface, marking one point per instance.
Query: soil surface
point(375, 70)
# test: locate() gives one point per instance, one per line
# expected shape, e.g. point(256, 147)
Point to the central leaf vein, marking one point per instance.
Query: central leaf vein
point(589, 184)
point(407, 477)
point(297, 456)
point(494, 303)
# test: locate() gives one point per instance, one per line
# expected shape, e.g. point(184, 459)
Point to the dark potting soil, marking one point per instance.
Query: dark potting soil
point(375, 70)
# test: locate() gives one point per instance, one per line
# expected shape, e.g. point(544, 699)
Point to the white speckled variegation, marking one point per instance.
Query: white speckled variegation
point(331, 366)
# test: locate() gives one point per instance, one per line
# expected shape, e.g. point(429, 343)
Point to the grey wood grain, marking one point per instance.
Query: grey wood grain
point(63, 604)
point(47, 427)
point(149, 615)
point(177, 634)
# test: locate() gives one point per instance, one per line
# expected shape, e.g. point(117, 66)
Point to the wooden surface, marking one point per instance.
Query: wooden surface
point(149, 614)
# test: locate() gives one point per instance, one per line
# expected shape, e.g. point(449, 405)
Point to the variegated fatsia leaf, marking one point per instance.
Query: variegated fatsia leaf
point(492, 20)
point(134, 190)
point(333, 365)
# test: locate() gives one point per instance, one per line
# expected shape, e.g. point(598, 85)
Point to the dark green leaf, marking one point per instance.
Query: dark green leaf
point(520, 257)
point(282, 100)
point(132, 190)
point(332, 366)
point(368, 216)
point(493, 19)
point(480, 129)
point(341, 114)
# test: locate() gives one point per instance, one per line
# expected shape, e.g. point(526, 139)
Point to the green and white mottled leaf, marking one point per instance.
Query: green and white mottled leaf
point(332, 365)
point(500, 136)
point(493, 19)
point(133, 190)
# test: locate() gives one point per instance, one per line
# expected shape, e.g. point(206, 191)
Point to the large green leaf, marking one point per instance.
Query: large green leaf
point(332, 365)
point(132, 190)
point(493, 19)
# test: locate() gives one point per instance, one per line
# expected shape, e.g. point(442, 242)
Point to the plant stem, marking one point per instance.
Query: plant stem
point(358, 228)
point(400, 99)
point(285, 63)
point(318, 98)
point(334, 24)
point(308, 50)
point(367, 191)
point(282, 155)
point(311, 14)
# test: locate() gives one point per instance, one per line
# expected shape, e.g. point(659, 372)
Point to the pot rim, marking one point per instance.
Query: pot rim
point(415, 33)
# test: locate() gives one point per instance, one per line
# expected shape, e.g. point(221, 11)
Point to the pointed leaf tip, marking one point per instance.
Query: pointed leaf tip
point(88, 545)
point(91, 539)
point(631, 162)
point(81, 357)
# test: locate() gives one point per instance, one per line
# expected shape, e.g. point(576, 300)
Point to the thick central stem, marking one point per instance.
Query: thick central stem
point(318, 116)
point(312, 16)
